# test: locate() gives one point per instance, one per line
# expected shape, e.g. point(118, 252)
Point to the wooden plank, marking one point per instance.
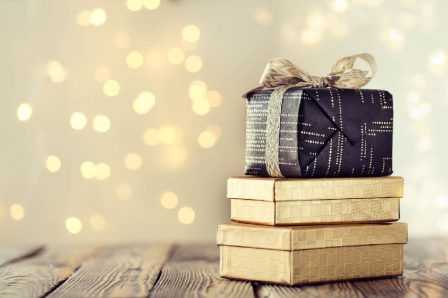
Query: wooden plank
point(38, 275)
point(120, 271)
point(193, 271)
point(425, 275)
point(14, 254)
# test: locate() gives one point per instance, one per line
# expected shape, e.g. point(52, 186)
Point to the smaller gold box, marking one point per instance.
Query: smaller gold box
point(310, 254)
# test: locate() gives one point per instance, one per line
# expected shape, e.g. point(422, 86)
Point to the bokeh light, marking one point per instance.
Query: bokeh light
point(102, 171)
point(144, 102)
point(437, 62)
point(83, 18)
point(169, 200)
point(73, 225)
point(98, 17)
point(214, 98)
point(200, 107)
point(186, 215)
point(53, 163)
point(134, 59)
point(24, 111)
point(123, 191)
point(102, 73)
point(263, 16)
point(17, 212)
point(193, 63)
point(191, 33)
point(78, 121)
point(175, 55)
point(197, 90)
point(310, 36)
point(101, 123)
point(133, 161)
point(151, 4)
point(88, 170)
point(175, 157)
point(134, 5)
point(169, 134)
point(97, 222)
point(56, 71)
point(207, 139)
point(339, 5)
point(111, 88)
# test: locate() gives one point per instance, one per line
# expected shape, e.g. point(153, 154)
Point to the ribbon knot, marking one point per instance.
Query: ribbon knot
point(282, 72)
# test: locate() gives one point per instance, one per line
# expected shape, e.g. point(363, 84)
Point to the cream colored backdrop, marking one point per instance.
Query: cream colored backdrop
point(121, 120)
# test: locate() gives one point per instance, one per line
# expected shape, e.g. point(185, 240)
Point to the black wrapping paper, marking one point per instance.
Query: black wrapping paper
point(324, 132)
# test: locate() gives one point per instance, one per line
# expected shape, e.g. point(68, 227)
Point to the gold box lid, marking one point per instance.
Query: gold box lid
point(310, 237)
point(282, 189)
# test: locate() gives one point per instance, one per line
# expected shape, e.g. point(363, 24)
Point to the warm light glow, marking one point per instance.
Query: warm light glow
point(315, 21)
point(73, 225)
point(121, 40)
point(175, 55)
point(102, 73)
point(134, 5)
point(193, 63)
point(98, 17)
point(88, 170)
point(83, 18)
point(186, 215)
point(134, 60)
point(53, 163)
point(437, 62)
point(214, 98)
point(123, 191)
point(97, 222)
point(393, 37)
point(56, 72)
point(310, 36)
point(151, 4)
point(101, 123)
point(175, 156)
point(133, 161)
point(102, 171)
point(263, 17)
point(144, 102)
point(169, 200)
point(24, 111)
point(111, 88)
point(17, 212)
point(200, 107)
point(169, 135)
point(207, 139)
point(78, 121)
point(340, 5)
point(191, 33)
point(151, 137)
point(198, 90)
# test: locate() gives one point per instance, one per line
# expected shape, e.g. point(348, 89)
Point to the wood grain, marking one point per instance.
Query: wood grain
point(193, 271)
point(121, 271)
point(14, 254)
point(425, 275)
point(36, 276)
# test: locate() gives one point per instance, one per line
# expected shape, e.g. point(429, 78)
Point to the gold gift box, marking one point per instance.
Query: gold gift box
point(277, 201)
point(308, 254)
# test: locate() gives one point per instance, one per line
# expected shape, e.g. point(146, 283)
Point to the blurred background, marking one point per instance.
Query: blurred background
point(121, 120)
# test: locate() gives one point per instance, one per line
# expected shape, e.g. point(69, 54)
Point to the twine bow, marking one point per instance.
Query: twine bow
point(281, 74)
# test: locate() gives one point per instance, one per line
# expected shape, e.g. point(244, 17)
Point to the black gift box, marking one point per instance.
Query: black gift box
point(324, 132)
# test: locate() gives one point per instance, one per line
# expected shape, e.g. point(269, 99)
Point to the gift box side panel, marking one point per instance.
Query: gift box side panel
point(338, 188)
point(252, 211)
point(349, 235)
point(254, 236)
point(337, 211)
point(361, 143)
point(251, 188)
point(345, 263)
point(255, 264)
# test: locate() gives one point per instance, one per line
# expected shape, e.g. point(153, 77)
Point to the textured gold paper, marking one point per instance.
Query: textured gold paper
point(315, 211)
point(313, 265)
point(310, 237)
point(281, 189)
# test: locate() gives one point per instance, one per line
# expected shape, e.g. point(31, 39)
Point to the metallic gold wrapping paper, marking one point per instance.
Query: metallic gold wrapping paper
point(316, 211)
point(308, 254)
point(280, 189)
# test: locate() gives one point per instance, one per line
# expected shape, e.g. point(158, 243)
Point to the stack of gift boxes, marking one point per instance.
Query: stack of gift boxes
point(332, 214)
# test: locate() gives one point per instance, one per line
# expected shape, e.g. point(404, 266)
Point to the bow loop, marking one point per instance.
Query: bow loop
point(282, 72)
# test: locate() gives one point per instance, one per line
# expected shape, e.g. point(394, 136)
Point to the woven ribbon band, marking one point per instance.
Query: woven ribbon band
point(281, 74)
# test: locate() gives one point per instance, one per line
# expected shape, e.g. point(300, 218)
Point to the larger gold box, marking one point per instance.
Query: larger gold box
point(278, 201)
point(308, 254)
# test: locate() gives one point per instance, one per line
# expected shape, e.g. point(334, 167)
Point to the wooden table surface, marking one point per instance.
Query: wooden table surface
point(144, 270)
